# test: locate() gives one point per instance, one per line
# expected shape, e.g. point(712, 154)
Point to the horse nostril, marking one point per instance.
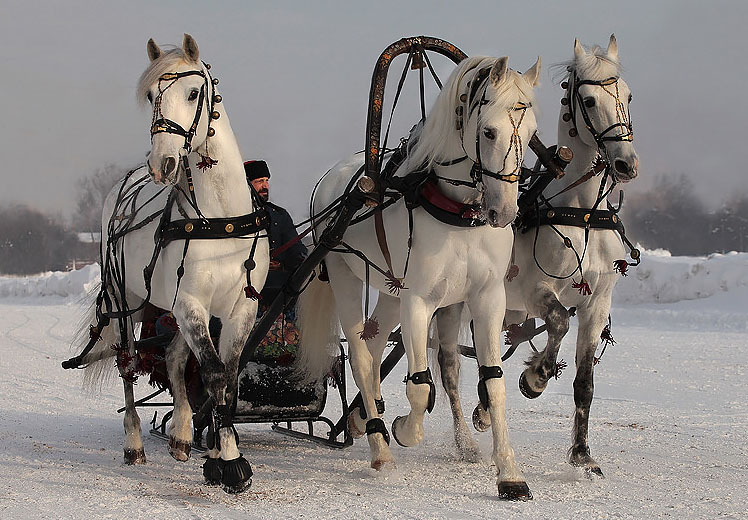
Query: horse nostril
point(622, 166)
point(168, 165)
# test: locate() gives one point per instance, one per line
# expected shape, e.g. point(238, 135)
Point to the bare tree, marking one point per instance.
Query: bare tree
point(92, 191)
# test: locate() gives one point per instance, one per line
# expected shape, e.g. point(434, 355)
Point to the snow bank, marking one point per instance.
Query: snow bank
point(61, 284)
point(661, 278)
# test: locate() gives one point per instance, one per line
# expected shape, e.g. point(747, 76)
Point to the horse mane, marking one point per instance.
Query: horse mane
point(167, 62)
point(595, 65)
point(439, 126)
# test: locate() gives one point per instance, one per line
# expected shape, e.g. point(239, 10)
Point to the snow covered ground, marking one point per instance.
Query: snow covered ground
point(669, 424)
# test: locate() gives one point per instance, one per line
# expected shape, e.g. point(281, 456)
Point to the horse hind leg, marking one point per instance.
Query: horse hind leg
point(134, 453)
point(448, 327)
point(180, 430)
point(542, 365)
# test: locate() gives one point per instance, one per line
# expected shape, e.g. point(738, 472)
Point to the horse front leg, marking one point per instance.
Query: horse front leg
point(487, 309)
point(127, 357)
point(236, 472)
point(448, 328)
point(592, 321)
point(543, 365)
point(416, 317)
point(180, 429)
point(387, 315)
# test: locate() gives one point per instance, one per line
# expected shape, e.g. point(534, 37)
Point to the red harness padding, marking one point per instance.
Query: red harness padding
point(431, 193)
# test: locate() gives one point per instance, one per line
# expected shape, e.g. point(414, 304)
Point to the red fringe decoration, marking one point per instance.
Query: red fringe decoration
point(206, 163)
point(251, 292)
point(125, 363)
point(620, 266)
point(583, 287)
point(607, 337)
point(560, 366)
point(512, 273)
point(395, 285)
point(371, 329)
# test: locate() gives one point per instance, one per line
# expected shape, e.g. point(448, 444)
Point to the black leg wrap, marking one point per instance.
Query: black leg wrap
point(486, 373)
point(237, 475)
point(377, 426)
point(424, 378)
point(213, 471)
point(380, 408)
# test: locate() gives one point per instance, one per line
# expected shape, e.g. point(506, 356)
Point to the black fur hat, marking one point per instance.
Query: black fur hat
point(256, 170)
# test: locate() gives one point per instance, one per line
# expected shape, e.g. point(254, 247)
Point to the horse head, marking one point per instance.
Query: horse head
point(598, 100)
point(182, 93)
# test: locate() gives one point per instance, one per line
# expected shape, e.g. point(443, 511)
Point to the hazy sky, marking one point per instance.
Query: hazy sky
point(295, 80)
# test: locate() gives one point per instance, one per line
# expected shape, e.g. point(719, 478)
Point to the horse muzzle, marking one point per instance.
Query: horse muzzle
point(166, 173)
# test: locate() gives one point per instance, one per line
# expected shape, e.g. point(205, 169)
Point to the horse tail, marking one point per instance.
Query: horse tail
point(99, 369)
point(318, 327)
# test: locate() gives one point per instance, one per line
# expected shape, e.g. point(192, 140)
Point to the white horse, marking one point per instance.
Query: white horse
point(190, 132)
point(553, 277)
point(472, 141)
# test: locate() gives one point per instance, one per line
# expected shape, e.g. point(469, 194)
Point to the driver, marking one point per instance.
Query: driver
point(280, 232)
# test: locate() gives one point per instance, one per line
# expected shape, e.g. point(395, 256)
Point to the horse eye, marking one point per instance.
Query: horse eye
point(193, 95)
point(490, 133)
point(149, 96)
point(630, 98)
point(589, 102)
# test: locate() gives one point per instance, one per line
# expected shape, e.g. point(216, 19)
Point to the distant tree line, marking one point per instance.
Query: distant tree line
point(669, 216)
point(672, 216)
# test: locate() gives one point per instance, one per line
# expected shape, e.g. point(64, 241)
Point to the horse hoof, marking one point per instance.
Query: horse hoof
point(180, 450)
point(383, 465)
point(236, 475)
point(479, 422)
point(593, 471)
point(524, 387)
point(516, 491)
point(353, 429)
point(213, 471)
point(134, 456)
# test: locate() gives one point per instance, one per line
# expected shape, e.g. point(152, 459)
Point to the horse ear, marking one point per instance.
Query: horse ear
point(533, 73)
point(579, 51)
point(154, 51)
point(189, 45)
point(613, 48)
point(499, 70)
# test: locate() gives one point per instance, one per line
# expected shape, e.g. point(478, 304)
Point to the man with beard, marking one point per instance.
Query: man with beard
point(281, 231)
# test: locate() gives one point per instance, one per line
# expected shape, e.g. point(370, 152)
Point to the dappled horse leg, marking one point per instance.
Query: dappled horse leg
point(542, 365)
point(180, 430)
point(387, 315)
point(592, 320)
point(448, 326)
point(416, 317)
point(348, 294)
point(488, 314)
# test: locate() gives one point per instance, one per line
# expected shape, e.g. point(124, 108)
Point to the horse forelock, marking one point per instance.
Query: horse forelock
point(440, 127)
point(167, 62)
point(595, 65)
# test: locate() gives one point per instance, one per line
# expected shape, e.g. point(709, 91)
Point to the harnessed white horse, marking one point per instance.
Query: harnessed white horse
point(595, 123)
point(472, 143)
point(192, 274)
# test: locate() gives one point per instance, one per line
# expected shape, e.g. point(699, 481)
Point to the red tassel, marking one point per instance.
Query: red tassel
point(607, 337)
point(395, 285)
point(621, 266)
point(560, 366)
point(512, 273)
point(206, 163)
point(371, 329)
point(583, 287)
point(251, 292)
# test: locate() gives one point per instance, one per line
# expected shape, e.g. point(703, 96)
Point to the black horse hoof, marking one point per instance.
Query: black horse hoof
point(134, 456)
point(394, 430)
point(237, 475)
point(516, 491)
point(478, 423)
point(593, 471)
point(524, 387)
point(180, 450)
point(213, 471)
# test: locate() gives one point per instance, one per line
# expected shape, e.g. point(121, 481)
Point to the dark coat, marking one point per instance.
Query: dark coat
point(280, 232)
